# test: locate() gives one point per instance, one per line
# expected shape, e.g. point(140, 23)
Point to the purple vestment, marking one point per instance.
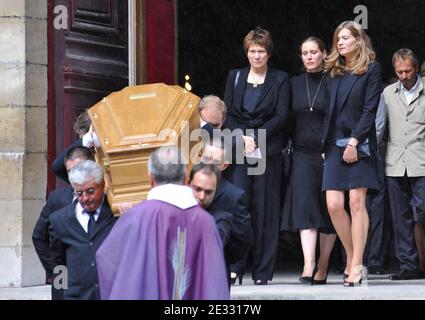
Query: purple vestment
point(160, 251)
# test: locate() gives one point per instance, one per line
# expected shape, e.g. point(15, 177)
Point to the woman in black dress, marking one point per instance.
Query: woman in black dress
point(257, 98)
point(305, 205)
point(350, 139)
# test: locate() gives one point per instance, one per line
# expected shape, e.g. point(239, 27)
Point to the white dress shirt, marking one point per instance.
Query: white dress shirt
point(83, 217)
point(410, 93)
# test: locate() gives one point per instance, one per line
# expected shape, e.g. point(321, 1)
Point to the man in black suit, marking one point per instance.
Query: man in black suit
point(204, 179)
point(57, 199)
point(79, 229)
point(228, 197)
point(231, 198)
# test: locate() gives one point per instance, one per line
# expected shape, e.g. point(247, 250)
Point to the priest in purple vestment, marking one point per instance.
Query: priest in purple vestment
point(166, 247)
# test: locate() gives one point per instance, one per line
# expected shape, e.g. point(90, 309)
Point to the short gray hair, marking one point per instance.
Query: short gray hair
point(83, 171)
point(406, 53)
point(212, 101)
point(167, 165)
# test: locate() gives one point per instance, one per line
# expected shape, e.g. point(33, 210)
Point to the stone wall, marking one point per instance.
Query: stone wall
point(23, 137)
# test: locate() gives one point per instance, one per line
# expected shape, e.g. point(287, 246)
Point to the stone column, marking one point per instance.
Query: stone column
point(23, 137)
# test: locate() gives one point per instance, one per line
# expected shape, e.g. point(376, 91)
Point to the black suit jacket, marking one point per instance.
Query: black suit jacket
point(232, 199)
point(223, 221)
point(58, 199)
point(72, 247)
point(360, 96)
point(270, 113)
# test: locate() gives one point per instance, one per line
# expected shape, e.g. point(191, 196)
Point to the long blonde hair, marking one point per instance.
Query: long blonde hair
point(363, 56)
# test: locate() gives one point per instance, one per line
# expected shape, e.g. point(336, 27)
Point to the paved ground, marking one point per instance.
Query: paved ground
point(29, 293)
point(286, 286)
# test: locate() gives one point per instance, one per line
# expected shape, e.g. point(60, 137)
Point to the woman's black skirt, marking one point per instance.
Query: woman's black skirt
point(305, 203)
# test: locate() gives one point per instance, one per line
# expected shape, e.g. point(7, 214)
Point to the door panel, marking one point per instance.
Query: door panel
point(87, 61)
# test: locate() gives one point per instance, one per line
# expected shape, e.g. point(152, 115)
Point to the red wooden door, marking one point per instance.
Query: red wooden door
point(87, 61)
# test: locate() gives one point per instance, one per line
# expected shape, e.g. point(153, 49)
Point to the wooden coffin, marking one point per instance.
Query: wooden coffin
point(132, 123)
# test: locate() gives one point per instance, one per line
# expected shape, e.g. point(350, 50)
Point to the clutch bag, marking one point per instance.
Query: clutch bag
point(363, 149)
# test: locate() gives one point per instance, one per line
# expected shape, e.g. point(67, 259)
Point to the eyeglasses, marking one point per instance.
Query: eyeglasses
point(89, 192)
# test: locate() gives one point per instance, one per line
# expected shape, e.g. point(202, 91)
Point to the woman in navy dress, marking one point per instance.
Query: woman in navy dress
point(354, 92)
point(305, 204)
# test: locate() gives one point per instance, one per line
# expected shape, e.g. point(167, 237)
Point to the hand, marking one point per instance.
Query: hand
point(88, 139)
point(123, 207)
point(250, 144)
point(350, 154)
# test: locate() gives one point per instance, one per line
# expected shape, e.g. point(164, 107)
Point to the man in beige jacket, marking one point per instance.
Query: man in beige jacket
point(405, 162)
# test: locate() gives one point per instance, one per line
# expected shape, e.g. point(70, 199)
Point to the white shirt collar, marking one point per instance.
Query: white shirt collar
point(83, 217)
point(202, 122)
point(413, 89)
point(177, 195)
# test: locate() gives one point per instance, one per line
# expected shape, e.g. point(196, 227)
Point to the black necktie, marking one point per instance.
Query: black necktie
point(92, 221)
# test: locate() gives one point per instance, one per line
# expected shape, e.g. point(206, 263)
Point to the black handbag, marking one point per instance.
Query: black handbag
point(287, 158)
point(362, 149)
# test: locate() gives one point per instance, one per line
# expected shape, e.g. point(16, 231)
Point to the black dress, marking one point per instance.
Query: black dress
point(305, 204)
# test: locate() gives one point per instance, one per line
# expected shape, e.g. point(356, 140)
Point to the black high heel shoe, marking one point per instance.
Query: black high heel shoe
point(319, 282)
point(233, 279)
point(345, 276)
point(353, 284)
point(309, 280)
point(362, 274)
point(260, 282)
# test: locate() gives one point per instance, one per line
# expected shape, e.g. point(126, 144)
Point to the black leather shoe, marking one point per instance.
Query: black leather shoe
point(375, 270)
point(320, 282)
point(405, 275)
point(353, 284)
point(308, 280)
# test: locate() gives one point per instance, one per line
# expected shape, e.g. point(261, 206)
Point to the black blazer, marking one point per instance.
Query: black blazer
point(360, 96)
point(271, 111)
point(58, 199)
point(72, 247)
point(223, 221)
point(231, 198)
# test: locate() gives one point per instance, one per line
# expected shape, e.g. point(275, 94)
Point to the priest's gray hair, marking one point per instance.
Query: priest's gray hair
point(82, 172)
point(167, 165)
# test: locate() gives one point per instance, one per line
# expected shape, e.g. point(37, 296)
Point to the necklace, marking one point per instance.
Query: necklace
point(311, 103)
point(255, 80)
